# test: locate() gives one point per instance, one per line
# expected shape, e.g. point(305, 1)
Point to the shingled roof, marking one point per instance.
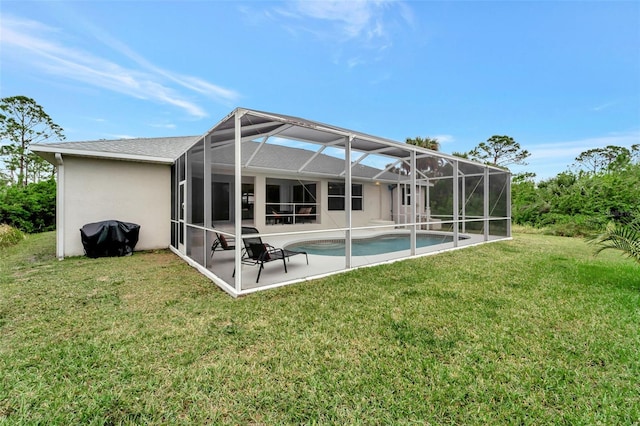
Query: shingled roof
point(156, 150)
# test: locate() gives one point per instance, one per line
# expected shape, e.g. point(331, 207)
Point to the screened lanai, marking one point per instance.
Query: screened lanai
point(343, 198)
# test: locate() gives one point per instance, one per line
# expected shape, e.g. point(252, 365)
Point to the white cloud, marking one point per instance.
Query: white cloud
point(445, 138)
point(38, 46)
point(604, 106)
point(571, 149)
point(354, 62)
point(164, 126)
point(407, 14)
point(385, 76)
point(112, 136)
point(363, 23)
point(354, 18)
point(549, 159)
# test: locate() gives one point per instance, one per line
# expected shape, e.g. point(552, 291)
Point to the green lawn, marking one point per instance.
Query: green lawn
point(530, 331)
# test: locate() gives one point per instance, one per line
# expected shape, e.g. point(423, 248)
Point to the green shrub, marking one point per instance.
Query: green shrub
point(9, 235)
point(30, 208)
point(574, 226)
point(576, 204)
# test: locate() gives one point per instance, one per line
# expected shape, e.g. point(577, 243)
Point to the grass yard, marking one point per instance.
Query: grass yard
point(530, 331)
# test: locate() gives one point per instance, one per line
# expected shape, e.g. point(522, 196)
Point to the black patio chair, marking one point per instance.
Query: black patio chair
point(221, 243)
point(256, 252)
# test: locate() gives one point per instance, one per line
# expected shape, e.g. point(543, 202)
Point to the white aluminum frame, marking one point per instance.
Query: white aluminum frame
point(349, 141)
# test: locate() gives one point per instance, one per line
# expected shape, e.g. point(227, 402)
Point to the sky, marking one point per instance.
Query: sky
point(559, 77)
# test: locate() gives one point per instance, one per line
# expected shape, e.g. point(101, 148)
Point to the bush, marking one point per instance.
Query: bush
point(579, 225)
point(576, 205)
point(9, 235)
point(30, 208)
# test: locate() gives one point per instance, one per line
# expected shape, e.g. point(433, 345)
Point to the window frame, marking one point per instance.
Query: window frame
point(336, 202)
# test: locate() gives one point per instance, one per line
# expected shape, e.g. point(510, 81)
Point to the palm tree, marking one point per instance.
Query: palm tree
point(428, 142)
point(427, 165)
point(620, 236)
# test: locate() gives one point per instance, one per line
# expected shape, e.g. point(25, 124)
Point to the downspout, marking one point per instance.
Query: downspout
point(60, 207)
point(391, 188)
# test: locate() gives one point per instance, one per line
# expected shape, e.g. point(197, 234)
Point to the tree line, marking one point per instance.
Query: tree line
point(582, 200)
point(27, 184)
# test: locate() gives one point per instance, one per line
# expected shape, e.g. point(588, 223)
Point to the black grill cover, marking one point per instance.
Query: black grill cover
point(109, 238)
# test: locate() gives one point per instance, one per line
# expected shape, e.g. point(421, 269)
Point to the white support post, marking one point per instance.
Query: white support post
point(428, 204)
point(486, 204)
point(399, 204)
point(237, 200)
point(208, 222)
point(464, 203)
point(414, 203)
point(347, 201)
point(456, 203)
point(186, 206)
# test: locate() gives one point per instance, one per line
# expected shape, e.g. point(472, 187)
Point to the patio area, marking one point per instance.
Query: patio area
point(221, 263)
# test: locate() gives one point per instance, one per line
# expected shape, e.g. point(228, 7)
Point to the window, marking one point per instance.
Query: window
point(406, 195)
point(273, 193)
point(290, 201)
point(305, 193)
point(337, 195)
point(248, 198)
point(220, 199)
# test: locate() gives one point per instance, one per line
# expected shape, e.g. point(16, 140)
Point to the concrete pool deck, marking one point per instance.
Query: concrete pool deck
point(273, 274)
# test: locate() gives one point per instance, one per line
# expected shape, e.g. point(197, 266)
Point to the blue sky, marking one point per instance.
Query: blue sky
point(560, 77)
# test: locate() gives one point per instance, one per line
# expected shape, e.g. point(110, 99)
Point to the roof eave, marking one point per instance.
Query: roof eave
point(48, 153)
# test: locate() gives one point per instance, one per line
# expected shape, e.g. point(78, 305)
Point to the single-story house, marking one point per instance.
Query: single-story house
point(288, 178)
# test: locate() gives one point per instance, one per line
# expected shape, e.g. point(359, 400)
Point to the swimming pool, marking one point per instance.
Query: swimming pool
point(380, 244)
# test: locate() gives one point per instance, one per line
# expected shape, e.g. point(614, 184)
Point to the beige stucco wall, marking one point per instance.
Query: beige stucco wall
point(96, 190)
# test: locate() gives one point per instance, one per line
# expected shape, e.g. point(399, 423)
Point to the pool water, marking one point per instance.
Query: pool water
point(369, 246)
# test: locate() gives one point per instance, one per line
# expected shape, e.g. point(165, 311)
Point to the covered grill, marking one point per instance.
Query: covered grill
point(109, 238)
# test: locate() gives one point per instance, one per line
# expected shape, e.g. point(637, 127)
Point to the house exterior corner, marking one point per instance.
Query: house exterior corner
point(100, 189)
